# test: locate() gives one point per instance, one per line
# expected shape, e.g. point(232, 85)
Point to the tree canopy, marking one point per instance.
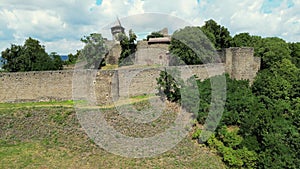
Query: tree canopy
point(260, 123)
point(30, 57)
point(219, 35)
point(94, 51)
point(191, 46)
point(128, 46)
point(154, 35)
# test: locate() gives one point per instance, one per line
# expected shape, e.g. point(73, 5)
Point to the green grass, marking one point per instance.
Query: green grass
point(51, 137)
point(67, 103)
point(109, 67)
point(145, 96)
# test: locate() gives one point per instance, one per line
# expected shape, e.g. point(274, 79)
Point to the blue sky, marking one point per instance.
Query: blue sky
point(98, 2)
point(269, 5)
point(59, 24)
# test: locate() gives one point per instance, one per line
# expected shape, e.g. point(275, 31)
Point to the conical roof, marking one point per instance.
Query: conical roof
point(117, 23)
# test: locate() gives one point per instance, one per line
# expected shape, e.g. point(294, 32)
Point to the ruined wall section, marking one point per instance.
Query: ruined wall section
point(114, 52)
point(134, 82)
point(106, 85)
point(241, 63)
point(36, 86)
point(95, 87)
point(151, 54)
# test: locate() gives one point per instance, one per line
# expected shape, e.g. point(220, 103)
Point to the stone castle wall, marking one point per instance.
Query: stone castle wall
point(134, 82)
point(241, 63)
point(33, 86)
point(104, 85)
point(154, 54)
point(100, 86)
point(56, 85)
point(114, 53)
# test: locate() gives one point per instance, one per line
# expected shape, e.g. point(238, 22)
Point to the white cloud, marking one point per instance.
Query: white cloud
point(63, 45)
point(61, 24)
point(138, 8)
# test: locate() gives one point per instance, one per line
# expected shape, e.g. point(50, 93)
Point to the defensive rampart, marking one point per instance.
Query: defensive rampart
point(104, 85)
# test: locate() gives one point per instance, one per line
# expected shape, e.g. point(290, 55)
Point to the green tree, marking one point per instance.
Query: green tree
point(239, 101)
point(247, 40)
point(73, 58)
point(295, 53)
point(233, 157)
point(273, 50)
point(30, 57)
point(10, 58)
point(94, 51)
point(242, 40)
point(274, 126)
point(57, 61)
point(281, 81)
point(191, 46)
point(154, 35)
point(169, 84)
point(128, 46)
point(221, 34)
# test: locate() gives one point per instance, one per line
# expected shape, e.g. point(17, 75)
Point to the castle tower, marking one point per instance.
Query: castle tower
point(241, 63)
point(117, 29)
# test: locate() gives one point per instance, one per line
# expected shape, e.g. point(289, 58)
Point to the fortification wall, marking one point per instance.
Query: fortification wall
point(134, 82)
point(114, 52)
point(106, 85)
point(56, 85)
point(241, 63)
point(94, 86)
point(154, 54)
point(36, 86)
point(91, 85)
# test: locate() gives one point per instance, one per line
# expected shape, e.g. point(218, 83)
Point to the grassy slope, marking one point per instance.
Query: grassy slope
point(43, 137)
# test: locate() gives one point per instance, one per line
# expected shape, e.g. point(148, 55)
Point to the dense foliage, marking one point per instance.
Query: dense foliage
point(219, 35)
point(154, 35)
point(94, 51)
point(72, 58)
point(128, 46)
point(191, 46)
point(260, 125)
point(29, 57)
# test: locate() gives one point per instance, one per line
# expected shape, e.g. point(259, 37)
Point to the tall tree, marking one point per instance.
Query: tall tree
point(94, 51)
point(273, 50)
point(221, 34)
point(242, 40)
point(57, 61)
point(72, 58)
point(191, 46)
point(30, 57)
point(295, 53)
point(128, 46)
point(10, 58)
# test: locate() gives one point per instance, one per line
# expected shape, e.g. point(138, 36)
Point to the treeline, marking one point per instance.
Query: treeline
point(32, 57)
point(260, 125)
point(195, 45)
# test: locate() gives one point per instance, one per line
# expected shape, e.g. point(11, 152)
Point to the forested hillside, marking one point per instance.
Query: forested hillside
point(260, 124)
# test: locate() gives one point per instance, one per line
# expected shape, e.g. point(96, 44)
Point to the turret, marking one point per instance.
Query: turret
point(117, 29)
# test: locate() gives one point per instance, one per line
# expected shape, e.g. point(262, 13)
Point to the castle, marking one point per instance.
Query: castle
point(107, 85)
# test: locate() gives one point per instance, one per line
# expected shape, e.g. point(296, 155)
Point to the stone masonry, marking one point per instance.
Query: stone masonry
point(104, 85)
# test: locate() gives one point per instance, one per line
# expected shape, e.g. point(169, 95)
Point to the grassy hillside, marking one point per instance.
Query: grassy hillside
point(49, 136)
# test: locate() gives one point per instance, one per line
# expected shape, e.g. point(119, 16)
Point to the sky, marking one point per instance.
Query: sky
point(60, 24)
